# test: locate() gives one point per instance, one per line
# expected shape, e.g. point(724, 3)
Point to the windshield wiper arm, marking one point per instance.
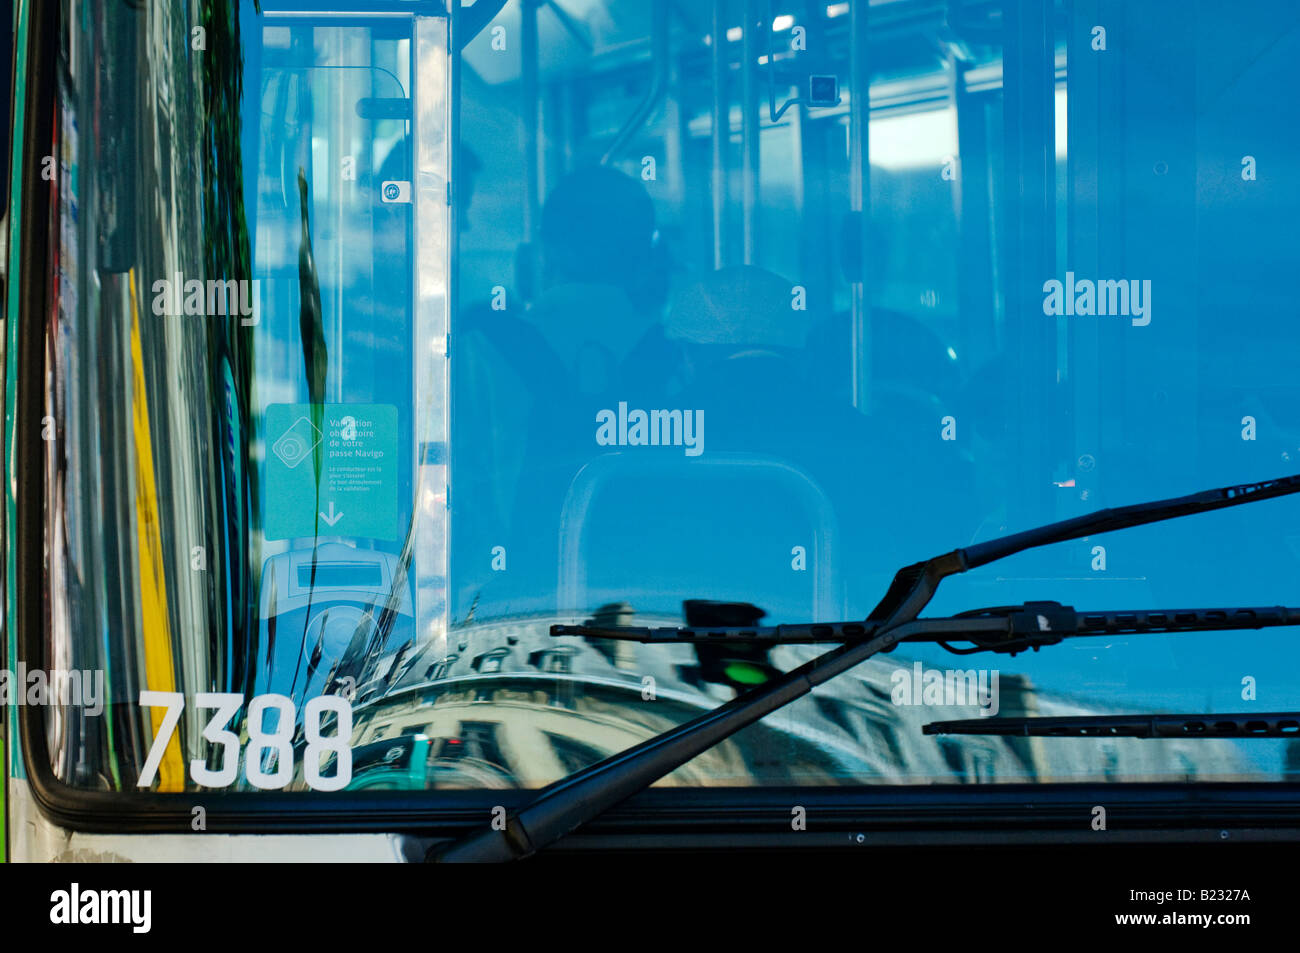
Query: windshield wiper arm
point(572, 801)
point(914, 586)
point(1277, 724)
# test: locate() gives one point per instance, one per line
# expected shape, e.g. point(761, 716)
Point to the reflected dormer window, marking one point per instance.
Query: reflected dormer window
point(558, 661)
point(490, 662)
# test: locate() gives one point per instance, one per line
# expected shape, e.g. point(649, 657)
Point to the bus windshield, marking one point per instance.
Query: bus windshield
point(376, 344)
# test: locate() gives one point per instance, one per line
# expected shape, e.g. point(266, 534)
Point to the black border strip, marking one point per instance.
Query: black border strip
point(1010, 813)
point(27, 454)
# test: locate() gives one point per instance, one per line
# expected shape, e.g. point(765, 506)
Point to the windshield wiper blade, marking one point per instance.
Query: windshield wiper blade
point(1277, 724)
point(1036, 624)
point(1031, 625)
point(572, 801)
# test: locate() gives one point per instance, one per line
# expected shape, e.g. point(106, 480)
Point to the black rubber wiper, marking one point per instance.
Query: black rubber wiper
point(1028, 626)
point(1276, 724)
point(572, 801)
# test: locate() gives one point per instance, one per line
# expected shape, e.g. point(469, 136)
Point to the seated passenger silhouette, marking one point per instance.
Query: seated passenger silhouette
point(527, 383)
point(603, 279)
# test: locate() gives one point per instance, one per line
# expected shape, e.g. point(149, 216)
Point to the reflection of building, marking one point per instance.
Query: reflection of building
point(511, 706)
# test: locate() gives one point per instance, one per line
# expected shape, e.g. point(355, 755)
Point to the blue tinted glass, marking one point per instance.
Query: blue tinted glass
point(760, 342)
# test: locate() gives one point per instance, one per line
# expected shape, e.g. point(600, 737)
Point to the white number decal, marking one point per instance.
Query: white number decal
point(173, 702)
point(318, 745)
point(226, 704)
point(278, 741)
point(275, 746)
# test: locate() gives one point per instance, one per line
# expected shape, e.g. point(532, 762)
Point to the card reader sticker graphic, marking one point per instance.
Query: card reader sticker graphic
point(296, 444)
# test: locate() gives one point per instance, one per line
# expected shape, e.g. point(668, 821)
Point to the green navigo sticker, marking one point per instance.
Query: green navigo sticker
point(358, 473)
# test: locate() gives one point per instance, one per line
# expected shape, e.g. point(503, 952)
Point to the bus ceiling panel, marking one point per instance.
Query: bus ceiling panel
point(569, 33)
point(351, 8)
point(585, 36)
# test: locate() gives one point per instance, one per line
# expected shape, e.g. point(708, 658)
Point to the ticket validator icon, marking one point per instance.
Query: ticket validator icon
point(296, 443)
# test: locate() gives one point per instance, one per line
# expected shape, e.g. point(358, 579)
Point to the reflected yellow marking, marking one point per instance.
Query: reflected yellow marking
point(159, 666)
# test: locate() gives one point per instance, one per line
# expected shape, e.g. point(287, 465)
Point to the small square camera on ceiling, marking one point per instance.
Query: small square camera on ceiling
point(823, 90)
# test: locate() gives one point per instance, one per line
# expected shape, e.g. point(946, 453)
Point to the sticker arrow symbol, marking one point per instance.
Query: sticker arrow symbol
point(333, 517)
